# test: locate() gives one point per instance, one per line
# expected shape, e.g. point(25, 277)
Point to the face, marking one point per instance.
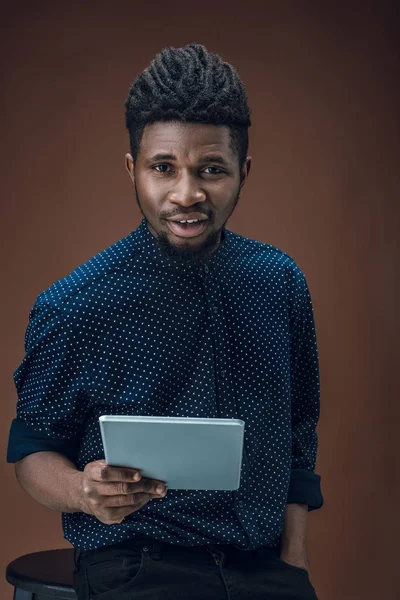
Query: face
point(187, 172)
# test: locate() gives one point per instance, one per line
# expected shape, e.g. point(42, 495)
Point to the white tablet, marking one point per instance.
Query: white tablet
point(187, 453)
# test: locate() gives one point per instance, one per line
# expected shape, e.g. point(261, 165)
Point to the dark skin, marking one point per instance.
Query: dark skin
point(112, 493)
point(202, 174)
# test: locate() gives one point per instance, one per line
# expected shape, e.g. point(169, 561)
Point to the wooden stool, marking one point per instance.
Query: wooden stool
point(43, 575)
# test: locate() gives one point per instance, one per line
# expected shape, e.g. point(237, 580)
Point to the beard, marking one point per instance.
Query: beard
point(185, 252)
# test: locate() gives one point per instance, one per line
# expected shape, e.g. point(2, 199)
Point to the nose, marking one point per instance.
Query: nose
point(186, 191)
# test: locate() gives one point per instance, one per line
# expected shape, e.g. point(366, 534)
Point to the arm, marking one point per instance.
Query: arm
point(51, 479)
point(108, 493)
point(45, 437)
point(304, 485)
point(294, 537)
point(51, 384)
point(304, 490)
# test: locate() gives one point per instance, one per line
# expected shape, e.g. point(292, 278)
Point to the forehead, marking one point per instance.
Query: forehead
point(186, 140)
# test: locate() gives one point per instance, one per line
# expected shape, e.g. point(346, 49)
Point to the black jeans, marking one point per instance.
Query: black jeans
point(151, 570)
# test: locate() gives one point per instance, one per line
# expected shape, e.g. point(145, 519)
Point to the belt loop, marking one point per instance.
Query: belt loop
point(156, 551)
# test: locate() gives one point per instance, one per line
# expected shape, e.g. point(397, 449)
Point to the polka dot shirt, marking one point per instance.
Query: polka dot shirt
point(133, 332)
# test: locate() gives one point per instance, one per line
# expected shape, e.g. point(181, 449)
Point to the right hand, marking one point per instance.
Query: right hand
point(112, 493)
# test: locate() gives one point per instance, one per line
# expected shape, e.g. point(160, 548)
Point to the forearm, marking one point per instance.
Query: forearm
point(51, 479)
point(294, 535)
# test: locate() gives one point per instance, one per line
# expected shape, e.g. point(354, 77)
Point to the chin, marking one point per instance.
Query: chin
point(186, 250)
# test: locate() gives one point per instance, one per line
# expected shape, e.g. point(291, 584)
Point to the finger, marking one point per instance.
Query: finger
point(100, 471)
point(119, 488)
point(125, 488)
point(149, 486)
point(152, 486)
point(112, 516)
point(132, 500)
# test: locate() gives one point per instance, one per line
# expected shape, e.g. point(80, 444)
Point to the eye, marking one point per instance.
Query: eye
point(216, 170)
point(162, 165)
point(164, 168)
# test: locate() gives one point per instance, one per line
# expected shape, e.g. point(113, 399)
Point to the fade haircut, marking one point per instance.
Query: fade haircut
point(190, 85)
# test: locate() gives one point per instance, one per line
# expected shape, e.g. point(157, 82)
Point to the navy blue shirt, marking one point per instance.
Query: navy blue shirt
point(133, 332)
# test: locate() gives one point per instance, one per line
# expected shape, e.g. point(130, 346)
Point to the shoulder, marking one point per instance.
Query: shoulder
point(97, 272)
point(262, 257)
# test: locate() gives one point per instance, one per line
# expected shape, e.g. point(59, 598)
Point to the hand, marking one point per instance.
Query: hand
point(112, 493)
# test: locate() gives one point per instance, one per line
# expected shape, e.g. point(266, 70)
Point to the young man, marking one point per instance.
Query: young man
point(180, 318)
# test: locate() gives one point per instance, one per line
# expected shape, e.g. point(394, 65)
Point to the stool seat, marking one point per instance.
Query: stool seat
point(43, 575)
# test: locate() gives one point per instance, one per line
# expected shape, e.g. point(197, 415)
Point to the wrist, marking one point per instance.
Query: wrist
point(76, 497)
point(293, 540)
point(297, 558)
point(293, 545)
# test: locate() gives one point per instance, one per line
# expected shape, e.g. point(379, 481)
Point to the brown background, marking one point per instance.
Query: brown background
point(322, 81)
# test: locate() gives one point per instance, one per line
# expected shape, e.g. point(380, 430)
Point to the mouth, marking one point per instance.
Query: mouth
point(187, 230)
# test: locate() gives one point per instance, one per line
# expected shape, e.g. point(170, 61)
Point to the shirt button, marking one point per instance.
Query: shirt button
point(223, 374)
point(215, 309)
point(206, 269)
point(241, 504)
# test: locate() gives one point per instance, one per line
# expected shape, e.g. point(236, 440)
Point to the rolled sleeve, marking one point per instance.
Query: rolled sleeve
point(51, 384)
point(25, 439)
point(305, 488)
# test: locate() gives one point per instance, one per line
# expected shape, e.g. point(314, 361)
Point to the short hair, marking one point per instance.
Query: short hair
point(190, 85)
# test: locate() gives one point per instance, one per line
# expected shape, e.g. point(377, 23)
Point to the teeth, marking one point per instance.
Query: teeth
point(192, 221)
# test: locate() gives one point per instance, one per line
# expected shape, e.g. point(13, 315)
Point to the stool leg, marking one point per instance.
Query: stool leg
point(22, 594)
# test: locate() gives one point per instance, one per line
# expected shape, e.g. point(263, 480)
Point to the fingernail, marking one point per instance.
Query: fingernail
point(136, 477)
point(160, 489)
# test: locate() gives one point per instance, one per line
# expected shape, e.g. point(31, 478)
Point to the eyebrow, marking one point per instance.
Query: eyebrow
point(217, 158)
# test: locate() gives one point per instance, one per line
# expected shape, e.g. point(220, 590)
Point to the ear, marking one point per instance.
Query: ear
point(245, 172)
point(130, 167)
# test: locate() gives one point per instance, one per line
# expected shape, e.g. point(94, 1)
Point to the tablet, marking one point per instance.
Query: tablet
point(187, 453)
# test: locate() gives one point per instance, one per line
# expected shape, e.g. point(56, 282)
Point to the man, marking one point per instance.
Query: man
point(180, 318)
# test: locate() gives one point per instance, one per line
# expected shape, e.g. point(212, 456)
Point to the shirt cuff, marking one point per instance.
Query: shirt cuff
point(305, 488)
point(24, 440)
